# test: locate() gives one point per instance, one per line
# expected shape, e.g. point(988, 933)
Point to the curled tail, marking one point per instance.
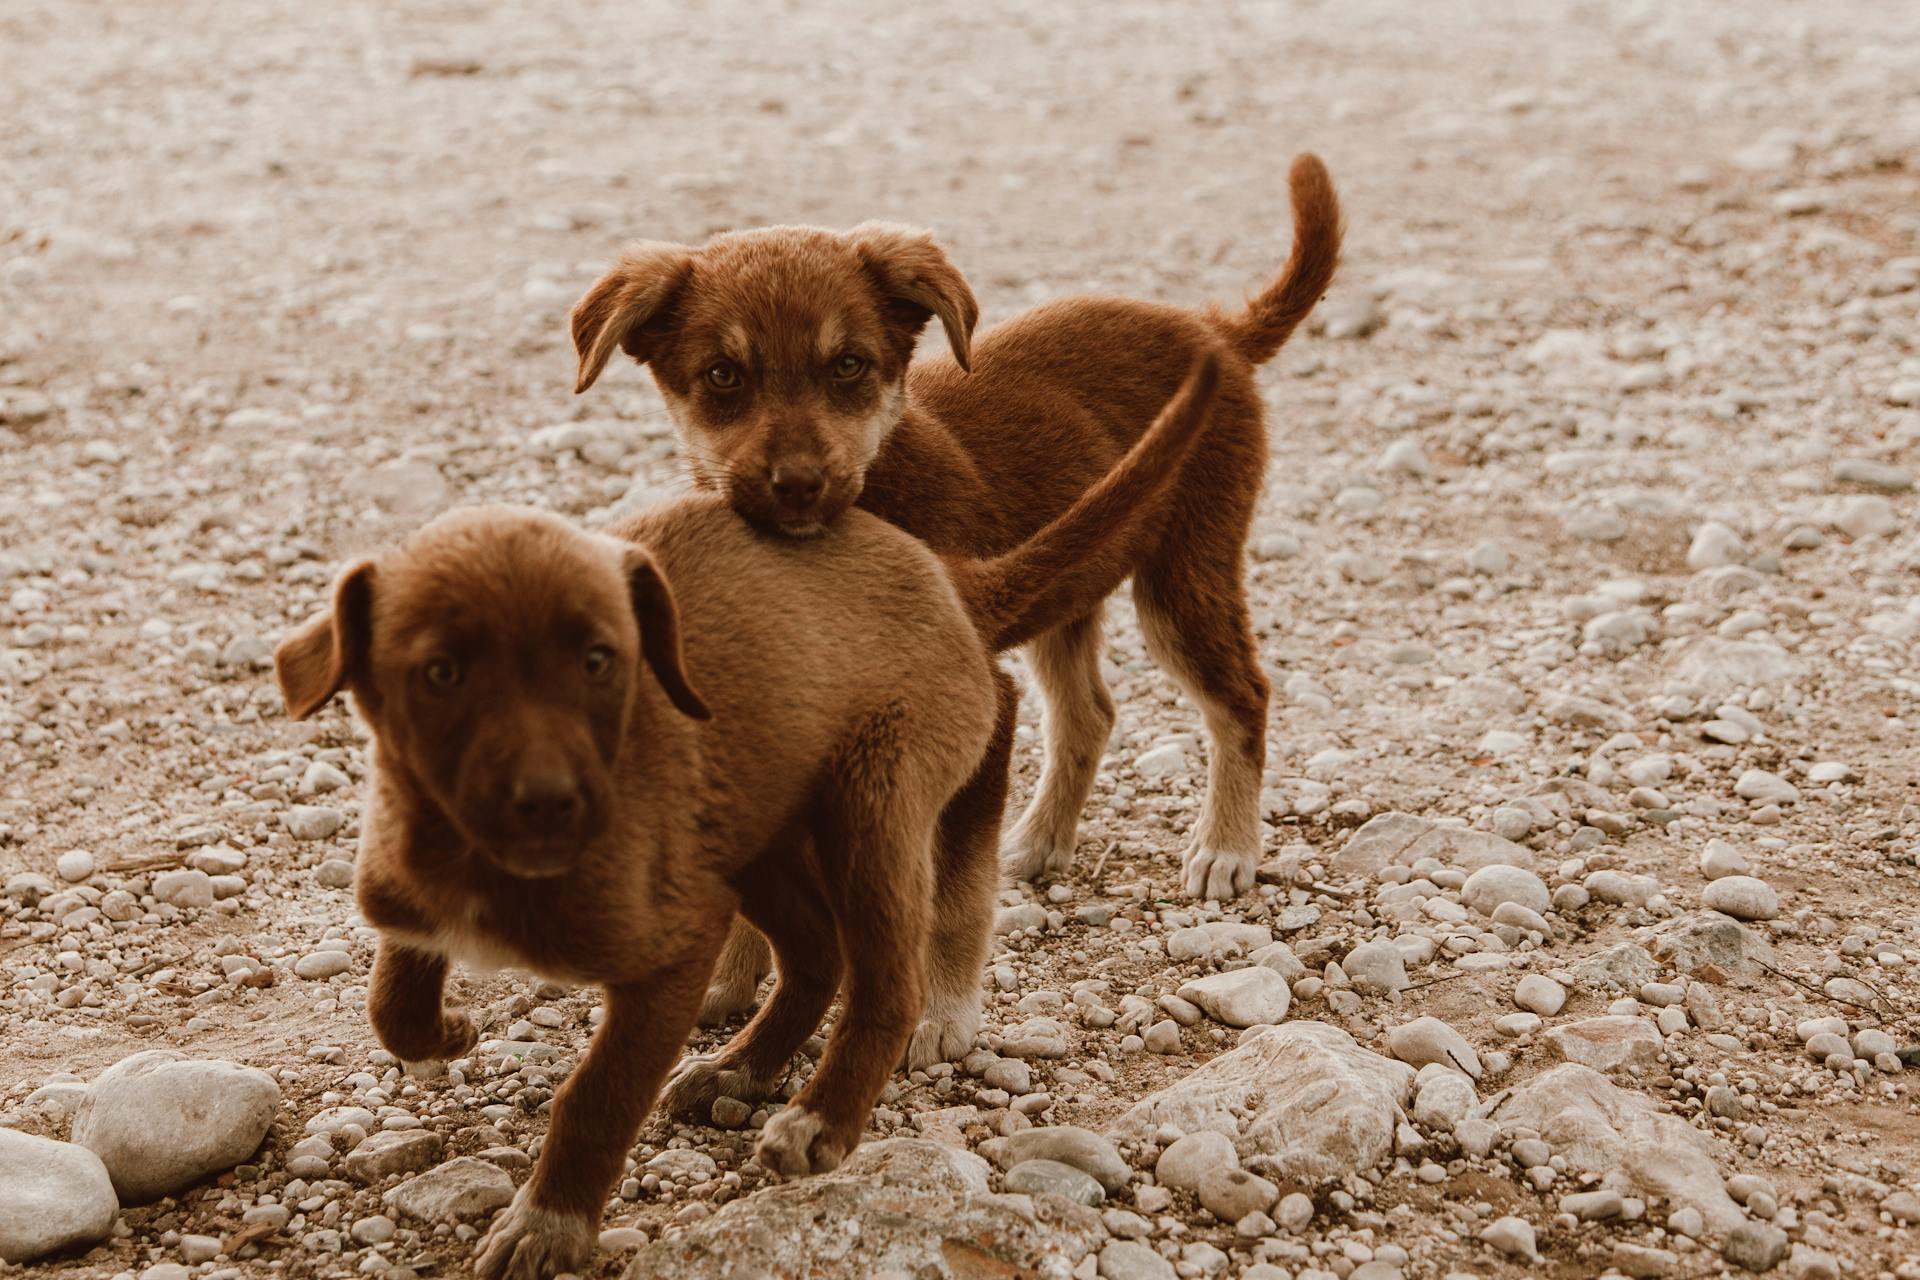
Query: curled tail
point(1082, 557)
point(1270, 319)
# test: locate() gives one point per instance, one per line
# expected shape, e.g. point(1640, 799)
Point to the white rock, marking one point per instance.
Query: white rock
point(53, 1196)
point(1866, 516)
point(1766, 788)
point(1714, 545)
point(460, 1189)
point(1316, 1106)
point(1217, 939)
point(313, 822)
point(1426, 1040)
point(1188, 1159)
point(74, 865)
point(1721, 859)
point(1607, 1043)
point(1241, 997)
point(1490, 886)
point(1510, 1235)
point(1539, 994)
point(1377, 966)
point(1621, 1137)
point(1443, 1101)
point(161, 1121)
point(184, 888)
point(1742, 897)
point(1163, 761)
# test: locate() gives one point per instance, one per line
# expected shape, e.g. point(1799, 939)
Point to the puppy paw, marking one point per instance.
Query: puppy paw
point(1220, 874)
point(454, 1036)
point(946, 1034)
point(699, 1080)
point(1027, 856)
point(797, 1142)
point(730, 996)
point(531, 1243)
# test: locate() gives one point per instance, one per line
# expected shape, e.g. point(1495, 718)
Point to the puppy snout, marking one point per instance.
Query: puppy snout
point(548, 801)
point(797, 485)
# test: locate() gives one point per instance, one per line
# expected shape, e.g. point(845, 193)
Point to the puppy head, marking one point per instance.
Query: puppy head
point(782, 353)
point(497, 657)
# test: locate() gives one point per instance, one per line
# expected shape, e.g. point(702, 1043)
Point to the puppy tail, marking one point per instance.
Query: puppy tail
point(1269, 320)
point(1065, 570)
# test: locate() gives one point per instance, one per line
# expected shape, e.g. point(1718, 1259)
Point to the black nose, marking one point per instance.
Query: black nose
point(547, 799)
point(797, 484)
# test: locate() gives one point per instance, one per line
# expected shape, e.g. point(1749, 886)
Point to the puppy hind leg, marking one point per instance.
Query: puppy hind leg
point(751, 1064)
point(1195, 621)
point(967, 876)
point(1077, 719)
point(744, 963)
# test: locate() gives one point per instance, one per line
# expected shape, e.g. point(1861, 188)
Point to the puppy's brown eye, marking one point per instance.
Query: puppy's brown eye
point(599, 661)
point(722, 376)
point(443, 673)
point(849, 367)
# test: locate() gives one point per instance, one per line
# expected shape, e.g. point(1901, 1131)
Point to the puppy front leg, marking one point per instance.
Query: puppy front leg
point(404, 1005)
point(553, 1222)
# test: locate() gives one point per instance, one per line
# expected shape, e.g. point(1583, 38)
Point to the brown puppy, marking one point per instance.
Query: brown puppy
point(783, 354)
point(585, 771)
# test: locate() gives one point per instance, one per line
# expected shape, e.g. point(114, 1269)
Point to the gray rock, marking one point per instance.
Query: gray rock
point(1081, 1148)
point(1316, 1105)
point(161, 1121)
point(1884, 476)
point(1050, 1177)
point(1247, 997)
point(53, 1196)
point(1757, 1246)
point(900, 1206)
point(1624, 967)
point(459, 1189)
point(1129, 1260)
point(1620, 1137)
point(1426, 1040)
point(392, 1151)
point(1695, 943)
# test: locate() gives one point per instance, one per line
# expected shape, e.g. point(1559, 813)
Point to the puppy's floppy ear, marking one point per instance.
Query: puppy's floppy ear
point(917, 282)
point(313, 662)
point(659, 619)
point(629, 307)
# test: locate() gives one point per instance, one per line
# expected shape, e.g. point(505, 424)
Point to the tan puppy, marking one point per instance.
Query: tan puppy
point(783, 355)
point(590, 751)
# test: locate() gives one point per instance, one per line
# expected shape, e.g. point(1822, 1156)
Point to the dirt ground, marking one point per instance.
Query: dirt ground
point(279, 281)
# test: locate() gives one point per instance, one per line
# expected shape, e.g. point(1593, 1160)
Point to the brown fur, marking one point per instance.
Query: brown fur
point(581, 770)
point(783, 354)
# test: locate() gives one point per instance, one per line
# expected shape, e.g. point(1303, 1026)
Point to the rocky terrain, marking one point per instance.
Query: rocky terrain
point(1586, 941)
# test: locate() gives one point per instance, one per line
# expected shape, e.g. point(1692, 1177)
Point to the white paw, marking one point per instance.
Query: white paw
point(1220, 874)
point(795, 1143)
point(1027, 856)
point(529, 1243)
point(946, 1034)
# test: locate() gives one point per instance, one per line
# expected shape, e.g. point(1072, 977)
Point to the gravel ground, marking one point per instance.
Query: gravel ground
point(1585, 574)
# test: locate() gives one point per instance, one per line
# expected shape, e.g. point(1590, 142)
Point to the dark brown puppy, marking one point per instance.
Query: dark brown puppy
point(591, 751)
point(783, 355)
